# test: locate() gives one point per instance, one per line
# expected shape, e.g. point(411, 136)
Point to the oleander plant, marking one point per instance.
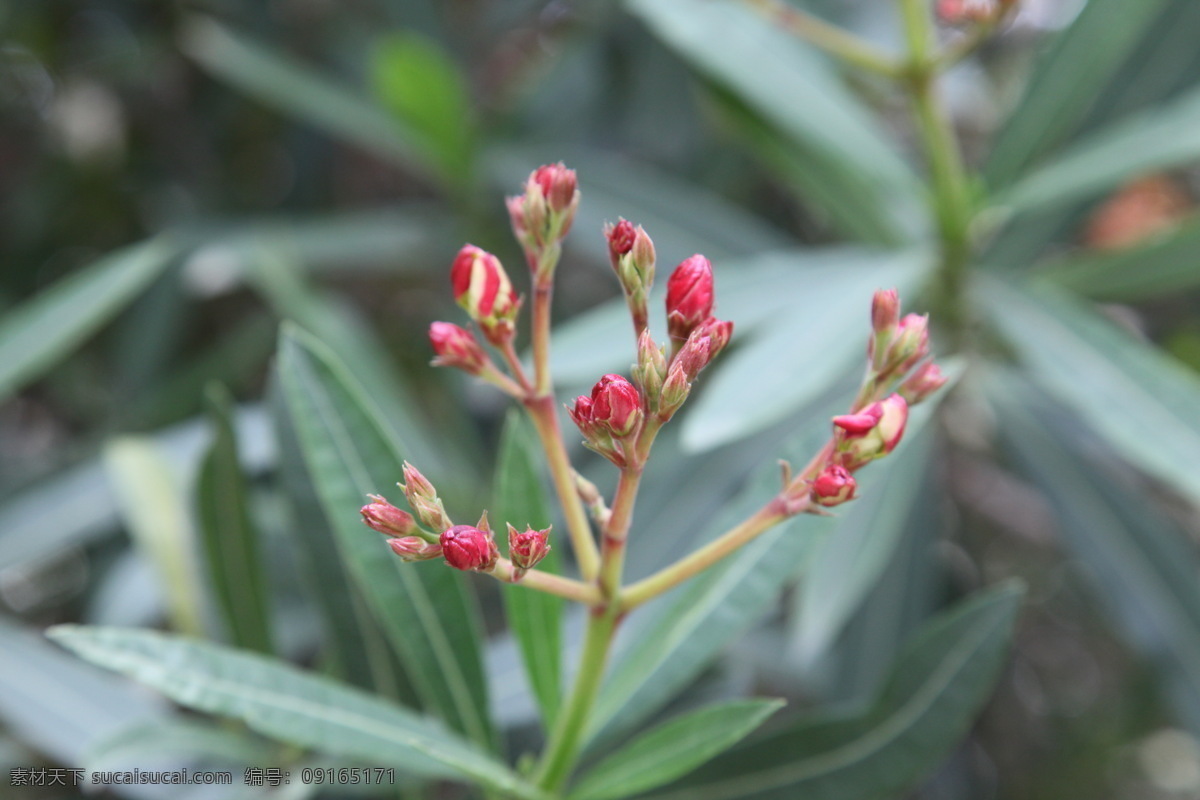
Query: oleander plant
point(629, 548)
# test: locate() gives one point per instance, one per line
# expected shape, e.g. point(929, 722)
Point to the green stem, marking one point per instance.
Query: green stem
point(566, 739)
point(542, 294)
point(580, 592)
point(545, 420)
point(830, 38)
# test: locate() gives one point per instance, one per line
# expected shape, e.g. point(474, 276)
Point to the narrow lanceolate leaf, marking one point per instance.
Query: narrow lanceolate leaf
point(1156, 139)
point(1143, 402)
point(673, 749)
point(286, 703)
point(1067, 81)
point(35, 335)
point(796, 94)
point(703, 616)
point(230, 539)
point(425, 608)
point(1143, 564)
point(935, 690)
point(1166, 263)
point(156, 514)
point(534, 617)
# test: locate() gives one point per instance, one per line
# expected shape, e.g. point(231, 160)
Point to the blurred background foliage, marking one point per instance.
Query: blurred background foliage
point(176, 178)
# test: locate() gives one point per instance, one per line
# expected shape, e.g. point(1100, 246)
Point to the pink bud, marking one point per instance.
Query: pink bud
point(482, 288)
point(527, 548)
point(456, 347)
point(468, 548)
point(860, 424)
point(891, 424)
point(423, 499)
point(616, 406)
point(872, 433)
point(694, 355)
point(719, 332)
point(885, 310)
point(689, 296)
point(921, 384)
point(620, 238)
point(558, 185)
point(414, 548)
point(382, 516)
point(833, 486)
point(911, 343)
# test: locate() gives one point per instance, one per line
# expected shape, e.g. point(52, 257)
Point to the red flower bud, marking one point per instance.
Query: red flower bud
point(872, 433)
point(468, 548)
point(382, 516)
point(414, 548)
point(558, 185)
point(527, 548)
point(689, 296)
point(718, 331)
point(861, 423)
point(620, 238)
point(616, 406)
point(833, 486)
point(482, 288)
point(456, 347)
point(921, 384)
point(885, 310)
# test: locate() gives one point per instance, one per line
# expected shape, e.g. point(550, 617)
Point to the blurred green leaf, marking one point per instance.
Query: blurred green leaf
point(283, 702)
point(820, 334)
point(295, 88)
point(426, 609)
point(935, 690)
point(535, 618)
point(1140, 400)
point(35, 335)
point(1152, 140)
point(672, 750)
point(189, 739)
point(416, 80)
point(230, 539)
point(797, 94)
point(1142, 565)
point(1167, 262)
point(59, 705)
point(157, 516)
point(1068, 79)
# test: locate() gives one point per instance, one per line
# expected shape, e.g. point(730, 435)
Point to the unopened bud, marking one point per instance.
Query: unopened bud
point(885, 310)
point(454, 346)
point(689, 296)
point(423, 499)
point(482, 288)
point(911, 343)
point(527, 548)
point(674, 391)
point(468, 548)
point(380, 515)
point(872, 433)
point(632, 255)
point(616, 406)
point(414, 548)
point(620, 239)
point(542, 216)
point(595, 437)
point(833, 486)
point(559, 186)
point(927, 379)
point(718, 331)
point(651, 369)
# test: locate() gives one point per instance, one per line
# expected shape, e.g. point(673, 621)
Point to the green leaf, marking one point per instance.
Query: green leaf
point(187, 739)
point(1140, 400)
point(672, 750)
point(700, 618)
point(1166, 263)
point(286, 703)
point(935, 690)
point(426, 609)
point(816, 338)
point(535, 618)
point(1142, 564)
point(1153, 140)
point(35, 335)
point(415, 79)
point(1067, 81)
point(795, 93)
point(282, 82)
point(230, 539)
point(156, 513)
point(848, 562)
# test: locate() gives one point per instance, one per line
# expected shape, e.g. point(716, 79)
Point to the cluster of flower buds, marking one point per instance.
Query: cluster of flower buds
point(406, 538)
point(632, 255)
point(897, 344)
point(703, 344)
point(454, 346)
point(526, 549)
point(972, 12)
point(542, 216)
point(610, 418)
point(423, 499)
point(482, 288)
